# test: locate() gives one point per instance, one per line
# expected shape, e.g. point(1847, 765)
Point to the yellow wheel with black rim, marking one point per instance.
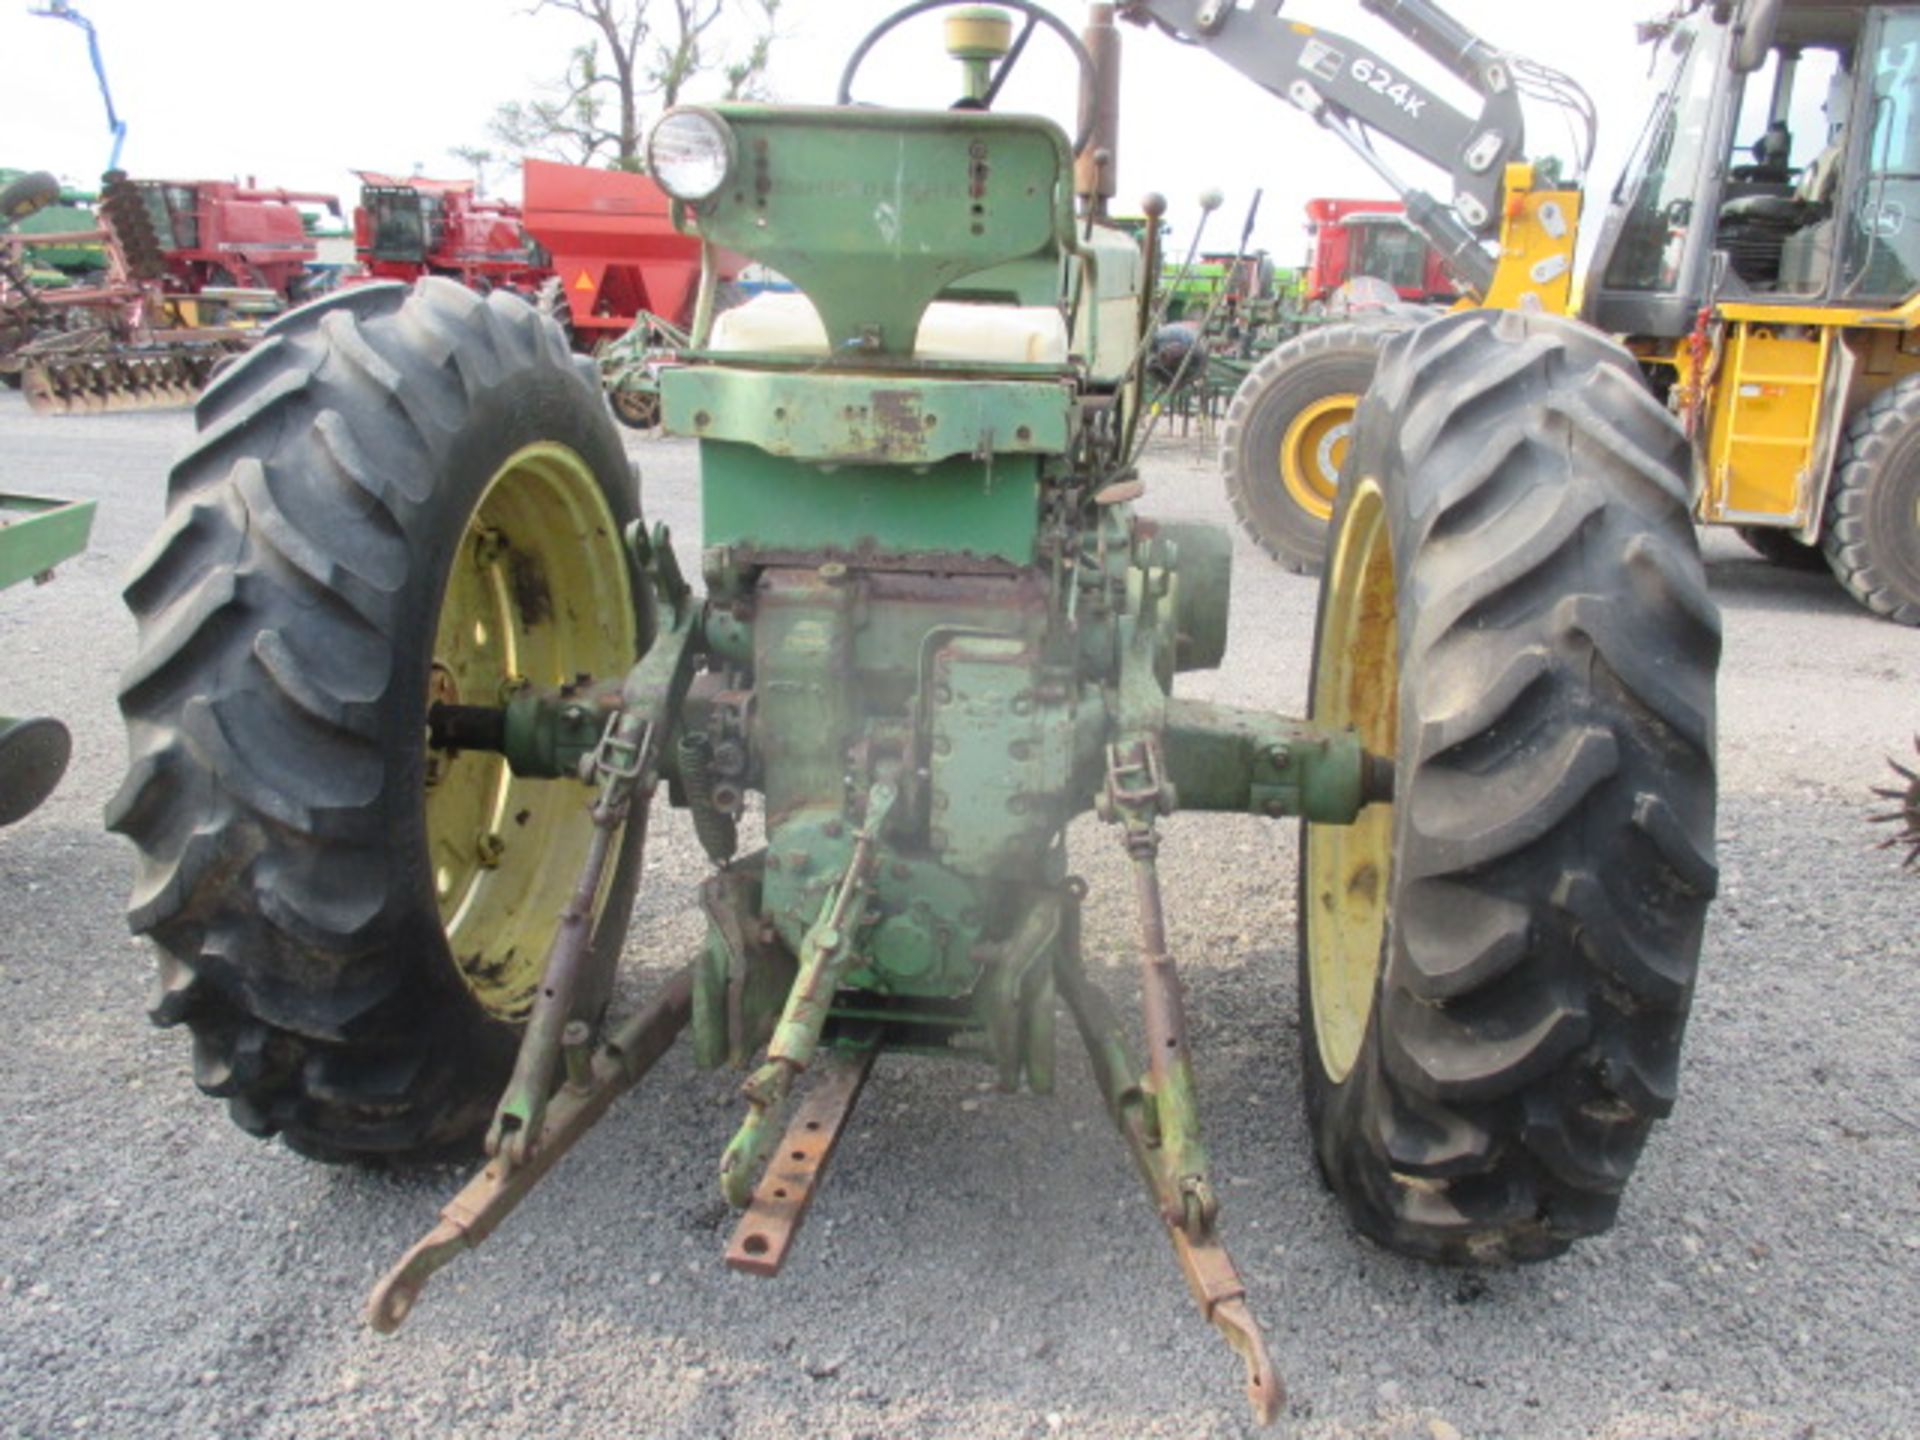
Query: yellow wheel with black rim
point(402, 498)
point(1313, 450)
point(1287, 431)
point(1496, 968)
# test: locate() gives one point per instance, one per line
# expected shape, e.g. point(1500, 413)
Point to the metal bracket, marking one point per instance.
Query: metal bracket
point(767, 1231)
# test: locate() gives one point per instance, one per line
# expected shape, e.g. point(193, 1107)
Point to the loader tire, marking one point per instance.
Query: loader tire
point(1497, 967)
point(1286, 436)
point(395, 495)
point(1871, 534)
point(1782, 547)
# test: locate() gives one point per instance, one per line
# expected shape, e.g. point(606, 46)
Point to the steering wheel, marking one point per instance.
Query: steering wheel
point(1036, 15)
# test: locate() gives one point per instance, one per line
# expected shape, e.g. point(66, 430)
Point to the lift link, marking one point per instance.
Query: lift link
point(625, 768)
point(826, 951)
point(626, 751)
point(492, 1195)
point(536, 1123)
point(1160, 1115)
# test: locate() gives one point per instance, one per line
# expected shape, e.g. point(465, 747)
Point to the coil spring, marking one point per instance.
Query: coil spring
point(719, 836)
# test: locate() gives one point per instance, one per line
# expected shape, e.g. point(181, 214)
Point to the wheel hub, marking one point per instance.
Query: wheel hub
point(1313, 450)
point(537, 594)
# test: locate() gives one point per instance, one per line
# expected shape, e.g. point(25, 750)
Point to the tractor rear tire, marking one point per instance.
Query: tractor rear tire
point(1782, 547)
point(1497, 967)
point(1872, 530)
point(398, 496)
point(1286, 435)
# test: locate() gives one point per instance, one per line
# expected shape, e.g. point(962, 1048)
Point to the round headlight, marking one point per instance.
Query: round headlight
point(690, 153)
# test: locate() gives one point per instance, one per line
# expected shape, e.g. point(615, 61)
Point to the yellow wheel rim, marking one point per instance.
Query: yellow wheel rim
point(1313, 450)
point(1356, 684)
point(538, 594)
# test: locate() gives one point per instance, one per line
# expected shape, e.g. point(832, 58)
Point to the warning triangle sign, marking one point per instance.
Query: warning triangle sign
point(585, 282)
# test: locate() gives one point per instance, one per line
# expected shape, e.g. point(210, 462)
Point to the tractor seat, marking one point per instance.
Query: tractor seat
point(786, 323)
point(1787, 210)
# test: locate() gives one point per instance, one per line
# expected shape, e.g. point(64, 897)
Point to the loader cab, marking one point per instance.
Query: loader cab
point(1794, 183)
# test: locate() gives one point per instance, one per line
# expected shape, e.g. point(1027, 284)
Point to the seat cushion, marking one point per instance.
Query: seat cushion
point(786, 323)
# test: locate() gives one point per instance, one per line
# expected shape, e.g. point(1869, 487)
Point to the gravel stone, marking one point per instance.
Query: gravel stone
point(146, 1243)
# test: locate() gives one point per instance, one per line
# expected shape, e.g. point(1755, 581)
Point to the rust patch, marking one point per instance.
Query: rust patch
point(766, 1232)
point(527, 579)
point(899, 424)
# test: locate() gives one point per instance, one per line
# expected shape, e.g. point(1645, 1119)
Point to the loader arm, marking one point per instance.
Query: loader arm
point(1356, 93)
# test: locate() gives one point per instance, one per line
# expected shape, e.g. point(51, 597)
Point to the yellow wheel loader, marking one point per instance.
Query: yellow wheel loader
point(1760, 255)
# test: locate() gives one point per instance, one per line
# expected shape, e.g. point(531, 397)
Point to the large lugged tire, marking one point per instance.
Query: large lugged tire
point(1497, 967)
point(397, 497)
point(1872, 530)
point(1286, 434)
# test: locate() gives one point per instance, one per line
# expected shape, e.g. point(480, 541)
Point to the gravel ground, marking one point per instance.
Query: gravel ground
point(978, 1264)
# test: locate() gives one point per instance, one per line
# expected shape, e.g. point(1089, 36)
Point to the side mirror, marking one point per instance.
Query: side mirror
point(1753, 35)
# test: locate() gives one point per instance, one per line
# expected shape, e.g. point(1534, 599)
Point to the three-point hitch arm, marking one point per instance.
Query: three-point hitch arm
point(1356, 94)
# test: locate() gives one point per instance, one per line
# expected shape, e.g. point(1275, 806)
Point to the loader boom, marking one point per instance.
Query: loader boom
point(1357, 94)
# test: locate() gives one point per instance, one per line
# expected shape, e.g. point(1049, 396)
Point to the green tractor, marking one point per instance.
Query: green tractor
point(412, 671)
point(35, 203)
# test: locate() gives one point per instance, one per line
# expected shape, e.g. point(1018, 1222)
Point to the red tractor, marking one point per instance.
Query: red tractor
point(409, 227)
point(1372, 238)
point(217, 233)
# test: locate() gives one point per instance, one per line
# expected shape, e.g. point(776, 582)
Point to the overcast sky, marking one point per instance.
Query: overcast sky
point(301, 95)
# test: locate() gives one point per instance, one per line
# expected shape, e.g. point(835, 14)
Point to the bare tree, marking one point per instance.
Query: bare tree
point(478, 159)
point(639, 49)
